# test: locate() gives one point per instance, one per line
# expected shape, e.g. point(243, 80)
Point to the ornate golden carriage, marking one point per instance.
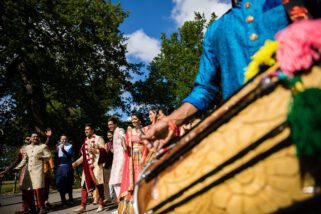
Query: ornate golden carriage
point(240, 159)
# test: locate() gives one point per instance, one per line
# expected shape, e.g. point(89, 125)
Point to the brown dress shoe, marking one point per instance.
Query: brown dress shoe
point(80, 210)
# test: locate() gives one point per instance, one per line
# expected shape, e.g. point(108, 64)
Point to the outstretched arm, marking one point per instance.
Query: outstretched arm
point(77, 162)
point(48, 135)
point(22, 163)
point(68, 153)
point(164, 130)
point(204, 94)
point(12, 165)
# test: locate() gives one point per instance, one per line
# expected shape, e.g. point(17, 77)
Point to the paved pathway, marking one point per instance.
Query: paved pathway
point(12, 203)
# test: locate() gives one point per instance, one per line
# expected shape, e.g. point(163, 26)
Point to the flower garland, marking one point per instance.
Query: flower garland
point(90, 143)
point(264, 56)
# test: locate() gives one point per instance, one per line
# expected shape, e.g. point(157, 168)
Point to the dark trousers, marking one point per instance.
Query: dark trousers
point(84, 195)
point(63, 195)
point(64, 180)
point(28, 201)
point(47, 187)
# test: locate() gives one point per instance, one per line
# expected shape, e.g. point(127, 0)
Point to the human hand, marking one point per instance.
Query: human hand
point(2, 174)
point(107, 148)
point(123, 144)
point(110, 147)
point(49, 132)
point(159, 134)
point(15, 170)
point(74, 166)
point(92, 150)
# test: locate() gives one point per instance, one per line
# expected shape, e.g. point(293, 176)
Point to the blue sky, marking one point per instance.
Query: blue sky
point(149, 18)
point(151, 15)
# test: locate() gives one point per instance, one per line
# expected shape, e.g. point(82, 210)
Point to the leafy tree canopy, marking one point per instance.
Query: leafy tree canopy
point(62, 65)
point(173, 71)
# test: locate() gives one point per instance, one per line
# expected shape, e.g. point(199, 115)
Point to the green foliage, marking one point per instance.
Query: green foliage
point(173, 71)
point(62, 65)
point(7, 187)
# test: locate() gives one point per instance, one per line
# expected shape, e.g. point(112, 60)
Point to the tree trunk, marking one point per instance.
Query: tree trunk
point(36, 103)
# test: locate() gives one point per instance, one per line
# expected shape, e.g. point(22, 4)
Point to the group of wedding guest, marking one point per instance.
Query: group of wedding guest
point(110, 170)
point(36, 165)
point(102, 165)
point(130, 155)
point(129, 158)
point(136, 156)
point(127, 163)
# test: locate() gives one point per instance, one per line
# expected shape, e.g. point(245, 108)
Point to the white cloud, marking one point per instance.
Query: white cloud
point(142, 47)
point(184, 9)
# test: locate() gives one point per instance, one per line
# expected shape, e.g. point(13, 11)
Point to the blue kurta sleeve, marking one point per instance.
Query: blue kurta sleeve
point(71, 151)
point(206, 86)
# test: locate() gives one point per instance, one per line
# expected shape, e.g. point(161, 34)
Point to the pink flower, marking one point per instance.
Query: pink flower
point(299, 46)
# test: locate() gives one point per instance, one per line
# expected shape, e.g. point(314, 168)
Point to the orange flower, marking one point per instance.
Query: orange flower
point(298, 13)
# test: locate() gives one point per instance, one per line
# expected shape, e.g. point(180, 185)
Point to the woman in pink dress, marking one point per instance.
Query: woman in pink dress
point(135, 153)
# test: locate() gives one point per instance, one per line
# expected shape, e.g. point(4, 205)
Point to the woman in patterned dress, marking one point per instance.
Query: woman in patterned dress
point(135, 153)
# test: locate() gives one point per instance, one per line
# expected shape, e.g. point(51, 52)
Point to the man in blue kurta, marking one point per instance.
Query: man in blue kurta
point(228, 46)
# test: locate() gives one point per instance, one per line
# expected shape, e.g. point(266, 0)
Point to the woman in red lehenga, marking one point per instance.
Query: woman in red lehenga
point(135, 153)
